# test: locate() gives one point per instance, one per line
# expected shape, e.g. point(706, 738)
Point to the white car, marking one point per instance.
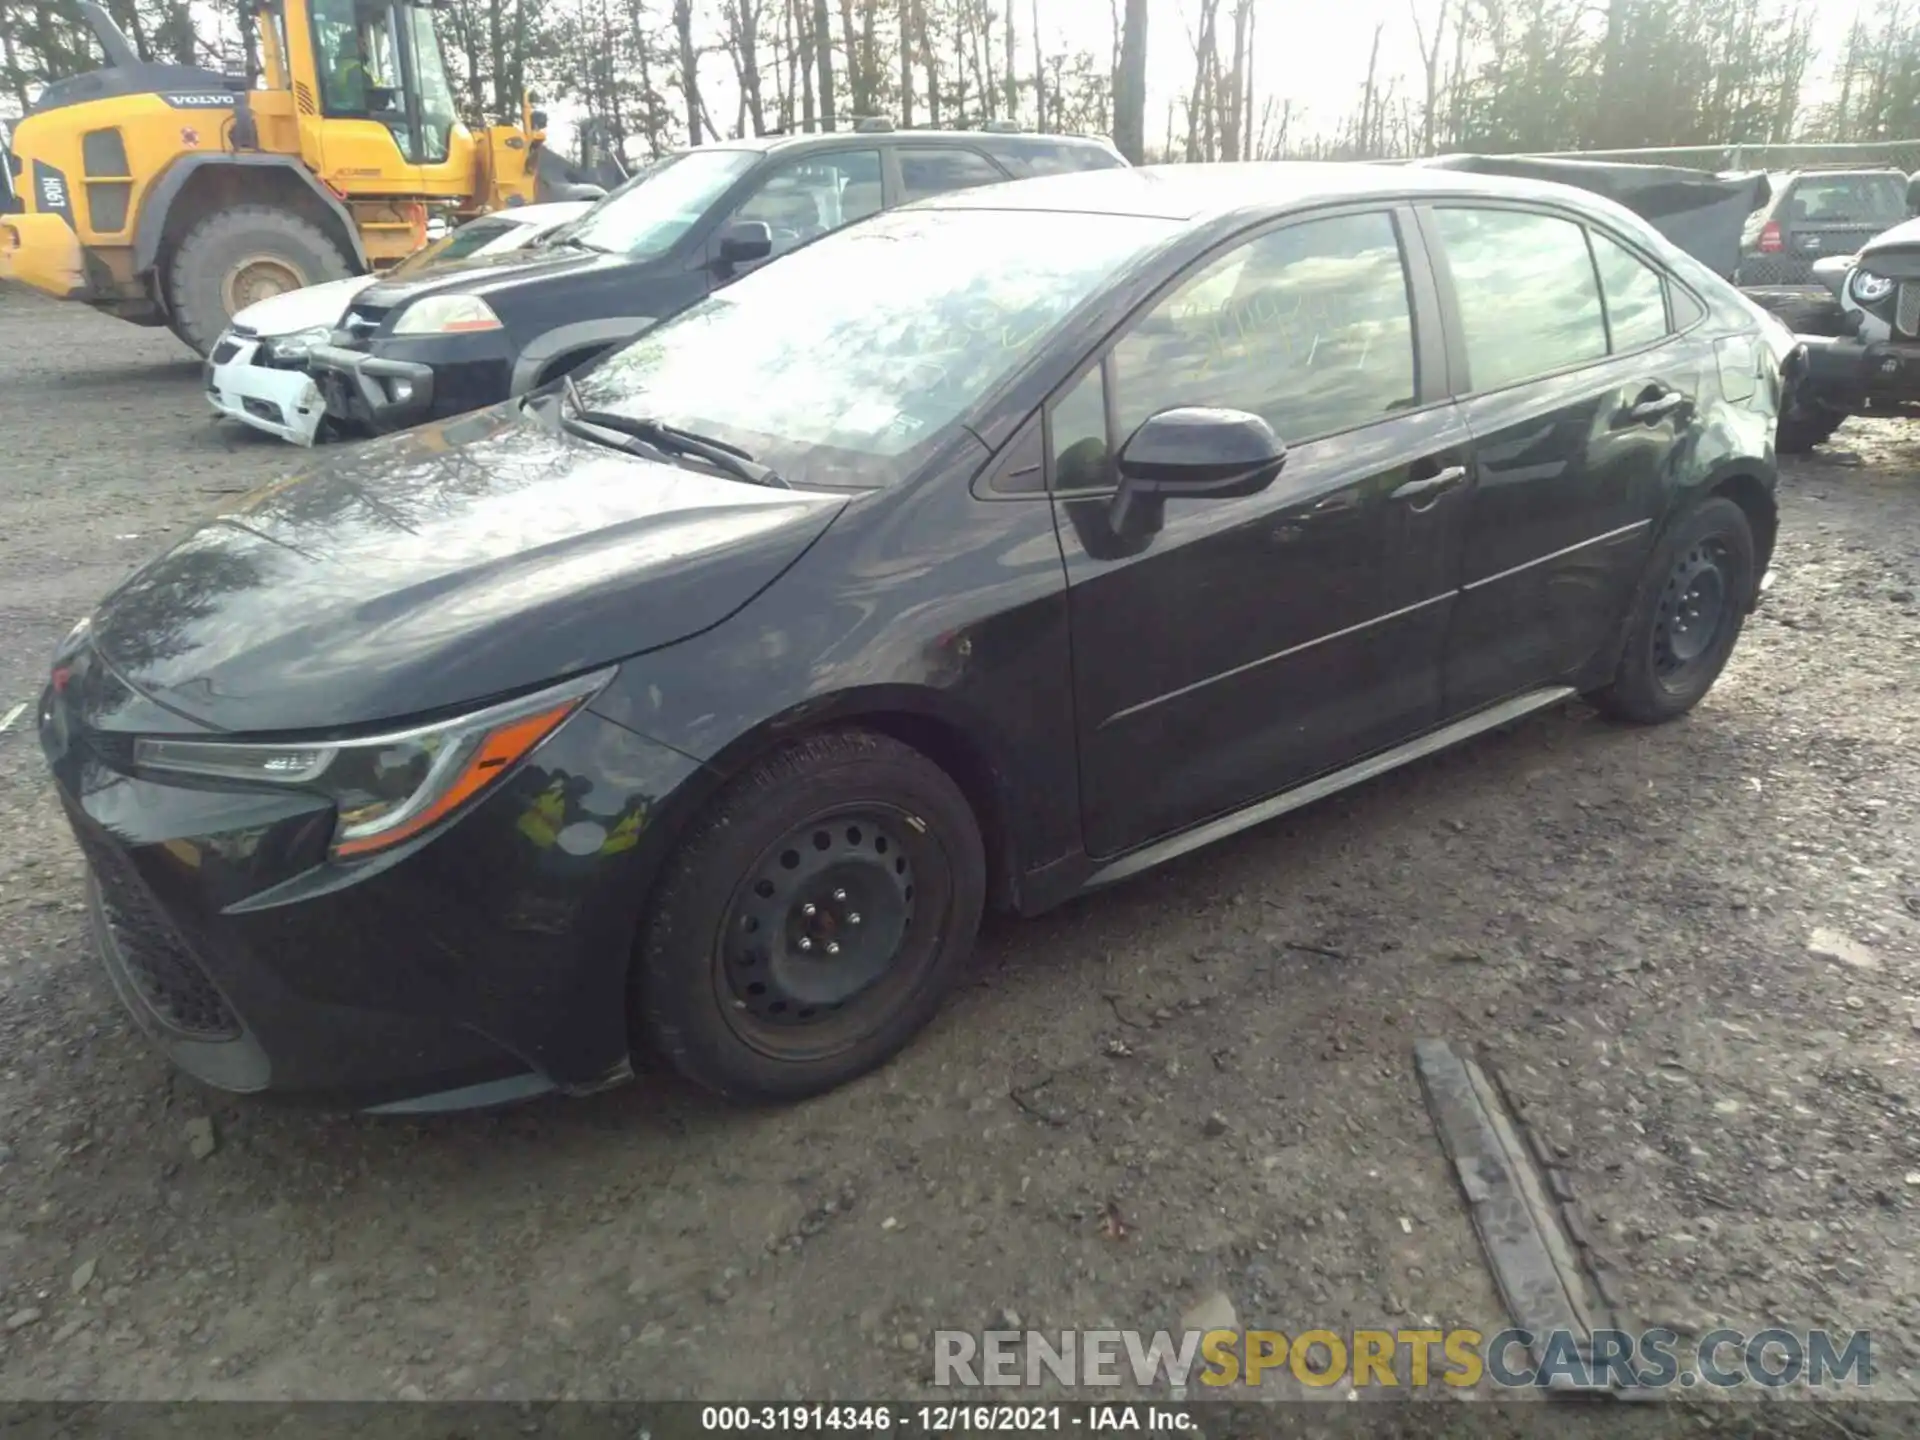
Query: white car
point(257, 373)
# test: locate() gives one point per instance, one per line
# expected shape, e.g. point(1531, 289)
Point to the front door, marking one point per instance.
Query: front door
point(1581, 403)
point(1247, 644)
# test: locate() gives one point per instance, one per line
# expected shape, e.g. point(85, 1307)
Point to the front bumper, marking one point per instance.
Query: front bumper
point(1852, 374)
point(484, 962)
point(42, 251)
point(372, 392)
point(286, 403)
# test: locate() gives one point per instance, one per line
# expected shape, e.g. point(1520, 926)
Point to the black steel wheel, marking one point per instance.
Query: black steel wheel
point(1694, 599)
point(814, 940)
point(812, 919)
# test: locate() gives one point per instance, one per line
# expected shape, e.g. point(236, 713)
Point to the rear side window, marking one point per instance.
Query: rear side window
point(1635, 295)
point(1042, 157)
point(1529, 302)
point(934, 172)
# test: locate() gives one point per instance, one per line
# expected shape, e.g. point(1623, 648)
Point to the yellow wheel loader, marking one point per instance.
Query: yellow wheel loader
point(172, 195)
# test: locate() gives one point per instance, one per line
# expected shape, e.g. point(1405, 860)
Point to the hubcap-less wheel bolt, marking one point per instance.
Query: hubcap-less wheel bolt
point(807, 910)
point(805, 943)
point(853, 917)
point(832, 948)
point(839, 894)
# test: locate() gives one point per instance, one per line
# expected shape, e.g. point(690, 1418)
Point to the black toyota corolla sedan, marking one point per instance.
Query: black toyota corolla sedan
point(985, 553)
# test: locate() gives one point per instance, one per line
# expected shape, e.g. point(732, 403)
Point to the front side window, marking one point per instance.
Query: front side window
point(934, 172)
point(647, 218)
point(841, 363)
point(1529, 303)
point(1077, 452)
point(1635, 295)
point(805, 199)
point(359, 55)
point(1308, 327)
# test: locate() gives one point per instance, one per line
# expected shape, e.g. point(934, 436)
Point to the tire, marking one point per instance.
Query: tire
point(1687, 616)
point(1805, 424)
point(226, 250)
point(783, 862)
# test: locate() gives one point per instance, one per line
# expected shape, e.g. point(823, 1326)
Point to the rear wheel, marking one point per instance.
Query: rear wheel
point(1689, 612)
point(810, 924)
point(237, 257)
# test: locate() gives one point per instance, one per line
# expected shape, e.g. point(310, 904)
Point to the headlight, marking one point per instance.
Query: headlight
point(296, 345)
point(388, 788)
point(1868, 288)
point(446, 315)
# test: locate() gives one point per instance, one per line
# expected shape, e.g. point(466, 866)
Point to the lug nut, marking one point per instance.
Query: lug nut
point(853, 917)
point(832, 948)
point(807, 910)
point(805, 943)
point(839, 894)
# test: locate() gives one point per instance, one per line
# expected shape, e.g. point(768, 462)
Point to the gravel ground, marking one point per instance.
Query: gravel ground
point(1200, 1082)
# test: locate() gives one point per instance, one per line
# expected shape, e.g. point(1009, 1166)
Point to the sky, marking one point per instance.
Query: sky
point(1313, 52)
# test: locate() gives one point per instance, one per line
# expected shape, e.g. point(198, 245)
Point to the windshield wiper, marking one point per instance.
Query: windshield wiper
point(573, 242)
point(672, 441)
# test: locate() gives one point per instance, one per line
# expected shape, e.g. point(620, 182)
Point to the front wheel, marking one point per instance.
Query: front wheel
point(1687, 615)
point(812, 921)
point(237, 257)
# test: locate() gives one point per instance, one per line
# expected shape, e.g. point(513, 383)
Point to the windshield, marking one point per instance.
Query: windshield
point(835, 364)
point(646, 219)
point(1837, 198)
point(469, 239)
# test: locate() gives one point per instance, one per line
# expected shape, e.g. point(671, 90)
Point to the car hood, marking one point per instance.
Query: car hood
point(303, 309)
point(439, 567)
point(1894, 253)
point(492, 274)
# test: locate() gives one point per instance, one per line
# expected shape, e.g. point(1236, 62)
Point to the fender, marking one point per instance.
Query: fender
point(159, 200)
point(610, 330)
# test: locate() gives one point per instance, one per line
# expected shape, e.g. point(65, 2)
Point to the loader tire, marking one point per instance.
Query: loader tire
point(238, 256)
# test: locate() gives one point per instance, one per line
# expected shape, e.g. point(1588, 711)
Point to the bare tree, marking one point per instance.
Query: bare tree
point(1130, 86)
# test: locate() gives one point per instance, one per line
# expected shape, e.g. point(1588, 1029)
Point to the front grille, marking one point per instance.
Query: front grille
point(1906, 311)
point(157, 963)
point(224, 351)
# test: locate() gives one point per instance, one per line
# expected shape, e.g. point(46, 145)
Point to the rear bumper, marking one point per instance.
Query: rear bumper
point(42, 251)
point(1853, 374)
point(285, 403)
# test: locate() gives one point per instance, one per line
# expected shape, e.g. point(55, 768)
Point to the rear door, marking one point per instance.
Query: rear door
point(1581, 401)
point(1240, 646)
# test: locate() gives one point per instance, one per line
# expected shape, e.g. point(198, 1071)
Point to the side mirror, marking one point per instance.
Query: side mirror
point(1194, 451)
point(745, 241)
point(539, 119)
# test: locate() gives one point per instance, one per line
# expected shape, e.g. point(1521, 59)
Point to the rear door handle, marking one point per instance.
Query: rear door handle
point(1432, 487)
point(1658, 408)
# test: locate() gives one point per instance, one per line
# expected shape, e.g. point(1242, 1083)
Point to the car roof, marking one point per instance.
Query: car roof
point(1197, 193)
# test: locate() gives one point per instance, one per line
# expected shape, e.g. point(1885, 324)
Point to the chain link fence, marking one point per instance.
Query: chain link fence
point(1901, 155)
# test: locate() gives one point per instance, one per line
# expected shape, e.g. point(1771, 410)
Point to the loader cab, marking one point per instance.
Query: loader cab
point(380, 60)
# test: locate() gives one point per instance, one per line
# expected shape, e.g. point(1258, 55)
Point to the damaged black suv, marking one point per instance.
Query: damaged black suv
point(474, 334)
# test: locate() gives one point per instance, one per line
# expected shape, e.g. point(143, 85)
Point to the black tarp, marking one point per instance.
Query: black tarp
point(1699, 211)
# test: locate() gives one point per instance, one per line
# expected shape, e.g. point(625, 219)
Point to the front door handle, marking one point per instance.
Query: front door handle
point(1432, 487)
point(1657, 408)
